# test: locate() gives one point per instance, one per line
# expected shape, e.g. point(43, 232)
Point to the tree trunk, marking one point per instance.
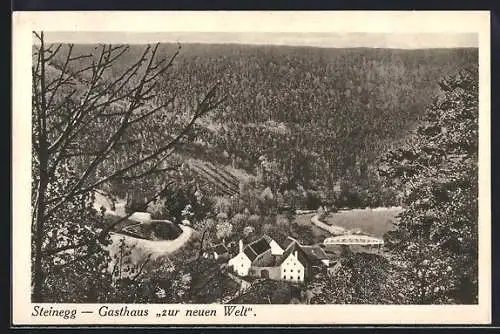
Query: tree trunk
point(40, 209)
point(42, 153)
point(200, 252)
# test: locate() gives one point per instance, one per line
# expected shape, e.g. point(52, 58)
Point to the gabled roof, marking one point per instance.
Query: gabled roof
point(256, 248)
point(295, 246)
point(314, 253)
point(220, 249)
point(260, 246)
point(250, 253)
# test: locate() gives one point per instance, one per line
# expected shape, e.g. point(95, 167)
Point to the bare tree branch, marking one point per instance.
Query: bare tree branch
point(204, 107)
point(59, 80)
point(52, 53)
point(85, 107)
point(154, 110)
point(38, 36)
point(150, 171)
point(141, 268)
point(113, 139)
point(130, 92)
point(107, 229)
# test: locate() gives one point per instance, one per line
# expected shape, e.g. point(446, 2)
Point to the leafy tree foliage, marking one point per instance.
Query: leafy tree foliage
point(74, 275)
point(361, 279)
point(435, 243)
point(89, 117)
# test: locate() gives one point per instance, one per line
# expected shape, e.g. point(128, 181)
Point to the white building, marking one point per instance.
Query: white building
point(299, 260)
point(241, 263)
point(262, 252)
point(295, 266)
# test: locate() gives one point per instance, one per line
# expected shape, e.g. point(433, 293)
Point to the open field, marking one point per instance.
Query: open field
point(375, 222)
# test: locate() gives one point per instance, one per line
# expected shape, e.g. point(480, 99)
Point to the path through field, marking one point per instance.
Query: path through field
point(335, 230)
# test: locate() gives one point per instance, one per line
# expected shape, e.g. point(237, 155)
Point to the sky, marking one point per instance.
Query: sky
point(330, 40)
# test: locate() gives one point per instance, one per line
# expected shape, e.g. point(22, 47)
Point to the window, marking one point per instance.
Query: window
point(298, 271)
point(242, 264)
point(284, 270)
point(291, 270)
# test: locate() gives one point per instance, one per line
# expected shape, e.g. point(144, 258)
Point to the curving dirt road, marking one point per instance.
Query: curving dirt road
point(336, 230)
point(142, 248)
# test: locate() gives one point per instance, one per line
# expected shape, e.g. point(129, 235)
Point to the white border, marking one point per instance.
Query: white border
point(359, 21)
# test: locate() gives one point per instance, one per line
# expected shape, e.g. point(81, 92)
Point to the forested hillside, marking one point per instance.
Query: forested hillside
point(322, 116)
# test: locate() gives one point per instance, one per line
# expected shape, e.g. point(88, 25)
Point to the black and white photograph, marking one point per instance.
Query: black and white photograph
point(254, 168)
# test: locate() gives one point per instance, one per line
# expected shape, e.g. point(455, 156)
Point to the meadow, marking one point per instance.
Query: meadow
point(375, 222)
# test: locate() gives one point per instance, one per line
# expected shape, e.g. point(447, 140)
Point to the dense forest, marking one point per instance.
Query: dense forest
point(322, 116)
point(234, 138)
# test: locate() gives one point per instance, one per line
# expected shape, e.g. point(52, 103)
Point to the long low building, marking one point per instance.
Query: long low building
point(353, 239)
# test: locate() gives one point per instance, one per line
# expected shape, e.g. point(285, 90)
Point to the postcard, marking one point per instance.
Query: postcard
point(251, 168)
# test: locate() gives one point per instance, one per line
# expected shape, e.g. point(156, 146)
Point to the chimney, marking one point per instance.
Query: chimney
point(241, 245)
point(296, 254)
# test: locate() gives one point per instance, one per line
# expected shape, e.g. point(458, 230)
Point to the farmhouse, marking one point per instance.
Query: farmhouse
point(260, 253)
point(265, 258)
point(241, 262)
point(296, 266)
point(300, 260)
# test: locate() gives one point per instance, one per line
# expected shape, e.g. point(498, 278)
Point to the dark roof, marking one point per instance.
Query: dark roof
point(154, 230)
point(220, 249)
point(260, 246)
point(292, 247)
point(314, 253)
point(250, 253)
point(288, 241)
point(256, 248)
